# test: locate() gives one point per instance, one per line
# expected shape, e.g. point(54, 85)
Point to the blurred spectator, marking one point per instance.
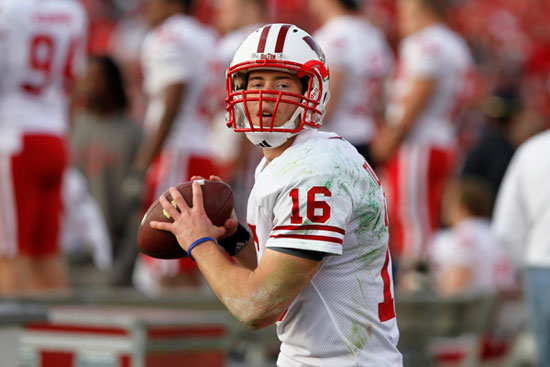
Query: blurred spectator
point(490, 155)
point(104, 146)
point(359, 60)
point(418, 144)
point(521, 223)
point(42, 48)
point(175, 55)
point(465, 258)
point(235, 19)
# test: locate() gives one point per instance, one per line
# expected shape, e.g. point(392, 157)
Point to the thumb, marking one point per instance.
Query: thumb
point(219, 232)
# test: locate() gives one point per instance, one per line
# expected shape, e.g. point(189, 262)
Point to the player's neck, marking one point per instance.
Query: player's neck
point(272, 153)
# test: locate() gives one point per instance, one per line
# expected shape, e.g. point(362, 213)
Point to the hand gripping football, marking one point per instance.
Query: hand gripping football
point(218, 204)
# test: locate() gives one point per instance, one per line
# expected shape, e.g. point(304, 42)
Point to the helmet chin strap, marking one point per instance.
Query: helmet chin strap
point(274, 139)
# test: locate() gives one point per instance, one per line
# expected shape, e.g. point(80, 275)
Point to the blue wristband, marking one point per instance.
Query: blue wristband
point(197, 242)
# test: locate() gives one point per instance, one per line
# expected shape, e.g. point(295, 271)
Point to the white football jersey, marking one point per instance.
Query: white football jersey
point(439, 54)
point(471, 244)
point(178, 51)
point(321, 195)
point(42, 49)
point(359, 50)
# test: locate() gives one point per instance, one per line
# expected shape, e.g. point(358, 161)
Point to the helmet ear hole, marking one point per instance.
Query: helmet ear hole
point(240, 80)
point(305, 84)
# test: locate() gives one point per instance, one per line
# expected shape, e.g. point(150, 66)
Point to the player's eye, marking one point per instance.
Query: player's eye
point(256, 84)
point(284, 85)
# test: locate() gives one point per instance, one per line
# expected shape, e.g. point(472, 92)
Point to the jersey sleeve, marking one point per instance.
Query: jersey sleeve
point(310, 214)
point(336, 50)
point(171, 60)
point(425, 59)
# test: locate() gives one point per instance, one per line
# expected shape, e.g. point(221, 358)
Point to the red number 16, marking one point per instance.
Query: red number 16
point(312, 205)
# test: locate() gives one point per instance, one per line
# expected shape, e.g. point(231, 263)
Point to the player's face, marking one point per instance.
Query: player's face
point(228, 15)
point(450, 205)
point(277, 81)
point(156, 11)
point(318, 8)
point(408, 11)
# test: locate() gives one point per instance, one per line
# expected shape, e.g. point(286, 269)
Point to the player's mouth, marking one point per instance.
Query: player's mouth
point(266, 118)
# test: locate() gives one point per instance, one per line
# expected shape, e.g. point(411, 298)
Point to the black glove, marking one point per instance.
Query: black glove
point(236, 242)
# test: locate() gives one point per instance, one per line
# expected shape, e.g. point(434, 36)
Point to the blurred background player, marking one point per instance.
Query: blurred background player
point(521, 223)
point(175, 55)
point(234, 19)
point(418, 143)
point(42, 48)
point(104, 144)
point(359, 60)
point(466, 258)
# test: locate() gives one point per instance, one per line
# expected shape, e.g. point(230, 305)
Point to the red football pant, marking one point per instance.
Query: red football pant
point(30, 197)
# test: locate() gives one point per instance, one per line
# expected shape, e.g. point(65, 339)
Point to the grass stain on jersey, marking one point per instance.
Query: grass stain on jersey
point(365, 220)
point(371, 256)
point(359, 337)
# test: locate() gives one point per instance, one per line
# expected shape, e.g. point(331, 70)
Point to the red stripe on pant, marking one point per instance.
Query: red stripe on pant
point(414, 184)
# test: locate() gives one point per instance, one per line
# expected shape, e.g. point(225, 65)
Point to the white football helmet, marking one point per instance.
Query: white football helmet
point(281, 47)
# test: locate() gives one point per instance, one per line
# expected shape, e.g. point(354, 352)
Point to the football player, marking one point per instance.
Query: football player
point(42, 48)
point(174, 58)
point(360, 60)
point(418, 144)
point(317, 263)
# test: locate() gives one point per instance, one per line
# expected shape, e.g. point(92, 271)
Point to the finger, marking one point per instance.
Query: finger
point(193, 178)
point(168, 207)
point(178, 199)
point(215, 178)
point(197, 195)
point(163, 226)
point(231, 224)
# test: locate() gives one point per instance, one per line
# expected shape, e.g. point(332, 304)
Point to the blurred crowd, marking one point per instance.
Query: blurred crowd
point(504, 102)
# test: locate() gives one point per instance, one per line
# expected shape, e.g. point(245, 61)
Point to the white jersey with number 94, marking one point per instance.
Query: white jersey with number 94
point(42, 47)
point(321, 195)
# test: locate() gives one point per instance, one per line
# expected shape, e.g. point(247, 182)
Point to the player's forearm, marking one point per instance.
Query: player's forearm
point(249, 300)
point(172, 104)
point(150, 148)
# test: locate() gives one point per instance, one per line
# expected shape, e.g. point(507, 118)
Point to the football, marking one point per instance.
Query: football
point(218, 204)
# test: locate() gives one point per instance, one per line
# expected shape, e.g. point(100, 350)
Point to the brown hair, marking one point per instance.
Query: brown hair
point(473, 194)
point(438, 7)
